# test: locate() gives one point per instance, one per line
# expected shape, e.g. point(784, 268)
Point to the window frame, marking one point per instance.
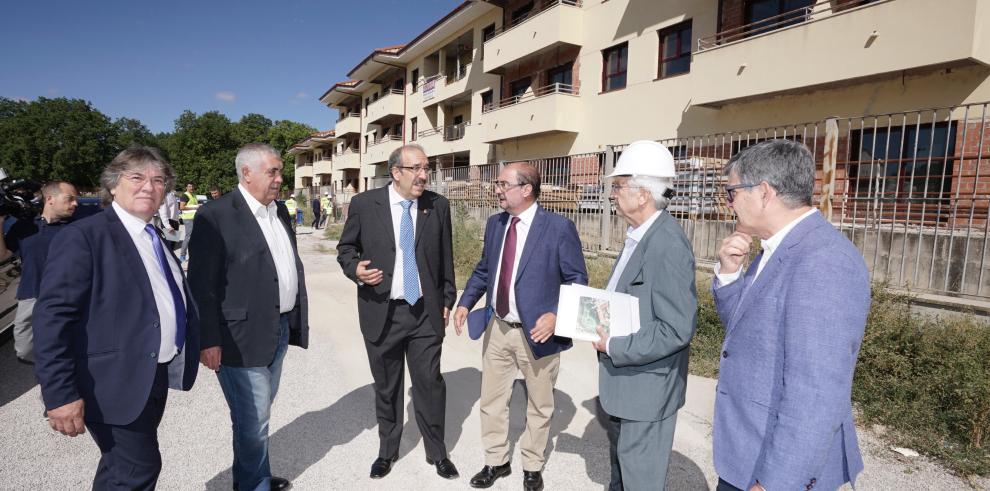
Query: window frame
point(606, 76)
point(662, 34)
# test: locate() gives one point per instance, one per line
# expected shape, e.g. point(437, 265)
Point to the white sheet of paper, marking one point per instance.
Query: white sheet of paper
point(581, 309)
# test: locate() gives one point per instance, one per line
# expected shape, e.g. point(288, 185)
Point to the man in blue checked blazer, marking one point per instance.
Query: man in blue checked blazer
point(793, 322)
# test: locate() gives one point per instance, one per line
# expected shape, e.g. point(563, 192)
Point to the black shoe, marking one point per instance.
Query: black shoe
point(24, 361)
point(381, 467)
point(278, 484)
point(489, 474)
point(445, 468)
point(532, 481)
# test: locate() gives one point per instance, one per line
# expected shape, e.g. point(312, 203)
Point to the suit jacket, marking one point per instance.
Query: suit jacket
point(368, 235)
point(783, 412)
point(234, 281)
point(645, 376)
point(550, 257)
point(96, 325)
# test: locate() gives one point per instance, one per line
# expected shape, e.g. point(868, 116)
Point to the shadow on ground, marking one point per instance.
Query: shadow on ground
point(17, 378)
point(305, 441)
point(593, 447)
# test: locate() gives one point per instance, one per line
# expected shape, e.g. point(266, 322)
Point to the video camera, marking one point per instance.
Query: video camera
point(19, 197)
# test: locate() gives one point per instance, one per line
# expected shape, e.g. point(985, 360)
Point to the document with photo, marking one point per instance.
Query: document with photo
point(581, 310)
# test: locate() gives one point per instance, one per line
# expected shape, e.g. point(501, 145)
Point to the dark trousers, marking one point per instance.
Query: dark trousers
point(130, 457)
point(316, 219)
point(408, 337)
point(724, 486)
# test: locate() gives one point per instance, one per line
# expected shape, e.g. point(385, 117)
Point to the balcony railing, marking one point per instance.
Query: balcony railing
point(346, 151)
point(556, 88)
point(779, 21)
point(450, 132)
point(344, 116)
point(385, 139)
point(538, 8)
point(457, 74)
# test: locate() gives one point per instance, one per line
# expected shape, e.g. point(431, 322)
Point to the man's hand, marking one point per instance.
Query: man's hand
point(602, 340)
point(733, 252)
point(446, 315)
point(460, 317)
point(757, 487)
point(211, 358)
point(368, 276)
point(68, 419)
point(544, 327)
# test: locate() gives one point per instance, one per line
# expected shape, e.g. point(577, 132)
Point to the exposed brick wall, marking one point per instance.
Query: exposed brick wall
point(733, 14)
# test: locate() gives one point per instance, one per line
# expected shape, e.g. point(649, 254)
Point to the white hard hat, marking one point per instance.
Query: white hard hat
point(645, 158)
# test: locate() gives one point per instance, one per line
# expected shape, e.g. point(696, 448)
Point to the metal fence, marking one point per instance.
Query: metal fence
point(910, 189)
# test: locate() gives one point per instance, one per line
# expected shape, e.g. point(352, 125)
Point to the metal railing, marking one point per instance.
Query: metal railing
point(779, 21)
point(538, 8)
point(344, 116)
point(557, 88)
point(346, 151)
point(386, 139)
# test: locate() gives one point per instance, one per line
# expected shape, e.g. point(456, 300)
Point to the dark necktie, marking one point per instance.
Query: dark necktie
point(180, 306)
point(505, 277)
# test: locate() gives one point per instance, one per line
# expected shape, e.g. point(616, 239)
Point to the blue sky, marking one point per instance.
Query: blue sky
point(152, 60)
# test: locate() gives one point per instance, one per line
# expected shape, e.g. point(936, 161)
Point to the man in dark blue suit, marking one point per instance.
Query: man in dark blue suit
point(529, 252)
point(115, 326)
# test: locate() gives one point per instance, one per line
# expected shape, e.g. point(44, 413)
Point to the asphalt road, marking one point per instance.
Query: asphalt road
point(323, 430)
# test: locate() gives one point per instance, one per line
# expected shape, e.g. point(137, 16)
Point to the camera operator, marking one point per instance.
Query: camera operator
point(60, 204)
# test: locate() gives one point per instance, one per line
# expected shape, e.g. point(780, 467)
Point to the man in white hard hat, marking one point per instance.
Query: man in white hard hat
point(643, 376)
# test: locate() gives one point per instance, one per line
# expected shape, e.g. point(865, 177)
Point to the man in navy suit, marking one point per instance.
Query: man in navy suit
point(529, 252)
point(793, 327)
point(115, 326)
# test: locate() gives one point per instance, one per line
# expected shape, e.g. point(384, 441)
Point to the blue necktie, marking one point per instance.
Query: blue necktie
point(407, 241)
point(180, 306)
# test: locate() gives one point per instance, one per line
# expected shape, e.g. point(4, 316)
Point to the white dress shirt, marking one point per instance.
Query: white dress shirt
point(522, 231)
point(633, 237)
point(159, 286)
point(395, 206)
point(769, 246)
point(169, 210)
point(280, 248)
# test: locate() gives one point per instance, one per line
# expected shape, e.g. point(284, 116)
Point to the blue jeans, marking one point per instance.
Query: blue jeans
point(249, 392)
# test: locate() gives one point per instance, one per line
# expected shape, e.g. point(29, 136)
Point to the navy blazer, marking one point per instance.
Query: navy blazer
point(96, 325)
point(783, 410)
point(551, 257)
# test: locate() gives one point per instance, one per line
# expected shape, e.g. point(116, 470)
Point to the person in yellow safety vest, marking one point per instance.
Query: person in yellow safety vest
point(290, 203)
point(188, 203)
point(325, 206)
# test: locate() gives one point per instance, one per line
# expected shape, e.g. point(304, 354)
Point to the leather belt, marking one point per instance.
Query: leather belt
point(514, 325)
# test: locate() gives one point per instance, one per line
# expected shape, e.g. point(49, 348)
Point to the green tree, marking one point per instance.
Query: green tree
point(55, 139)
point(202, 150)
point(282, 136)
point(252, 128)
point(129, 131)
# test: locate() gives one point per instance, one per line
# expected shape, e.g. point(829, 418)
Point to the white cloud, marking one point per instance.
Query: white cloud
point(301, 95)
point(226, 96)
point(52, 92)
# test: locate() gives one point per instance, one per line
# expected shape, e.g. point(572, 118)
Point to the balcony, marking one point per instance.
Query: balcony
point(557, 22)
point(447, 87)
point(551, 109)
point(379, 151)
point(391, 104)
point(348, 159)
point(305, 170)
point(817, 48)
point(448, 139)
point(322, 167)
point(351, 123)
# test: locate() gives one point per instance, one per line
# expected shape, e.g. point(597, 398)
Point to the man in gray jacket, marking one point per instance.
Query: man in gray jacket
point(643, 376)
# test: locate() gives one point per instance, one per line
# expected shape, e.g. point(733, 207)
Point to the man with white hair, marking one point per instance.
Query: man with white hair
point(643, 376)
point(247, 279)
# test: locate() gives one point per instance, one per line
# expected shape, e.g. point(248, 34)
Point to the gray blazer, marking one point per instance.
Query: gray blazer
point(645, 377)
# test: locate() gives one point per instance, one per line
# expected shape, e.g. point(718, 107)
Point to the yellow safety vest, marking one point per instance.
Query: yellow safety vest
point(291, 205)
point(325, 203)
point(189, 214)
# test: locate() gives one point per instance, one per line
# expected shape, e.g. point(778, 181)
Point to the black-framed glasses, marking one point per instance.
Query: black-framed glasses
point(730, 191)
point(620, 187)
point(506, 185)
point(416, 169)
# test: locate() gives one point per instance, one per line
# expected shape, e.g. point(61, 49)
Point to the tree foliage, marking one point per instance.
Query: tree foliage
point(71, 140)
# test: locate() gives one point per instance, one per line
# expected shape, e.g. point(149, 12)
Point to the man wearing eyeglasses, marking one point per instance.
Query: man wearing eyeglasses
point(642, 377)
point(249, 283)
point(115, 326)
point(396, 245)
point(528, 253)
point(794, 322)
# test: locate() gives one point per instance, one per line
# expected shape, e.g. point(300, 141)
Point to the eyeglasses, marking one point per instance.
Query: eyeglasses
point(731, 190)
point(139, 180)
point(504, 185)
point(416, 169)
point(620, 187)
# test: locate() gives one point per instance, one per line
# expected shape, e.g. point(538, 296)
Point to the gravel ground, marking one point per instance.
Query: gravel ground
point(323, 424)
